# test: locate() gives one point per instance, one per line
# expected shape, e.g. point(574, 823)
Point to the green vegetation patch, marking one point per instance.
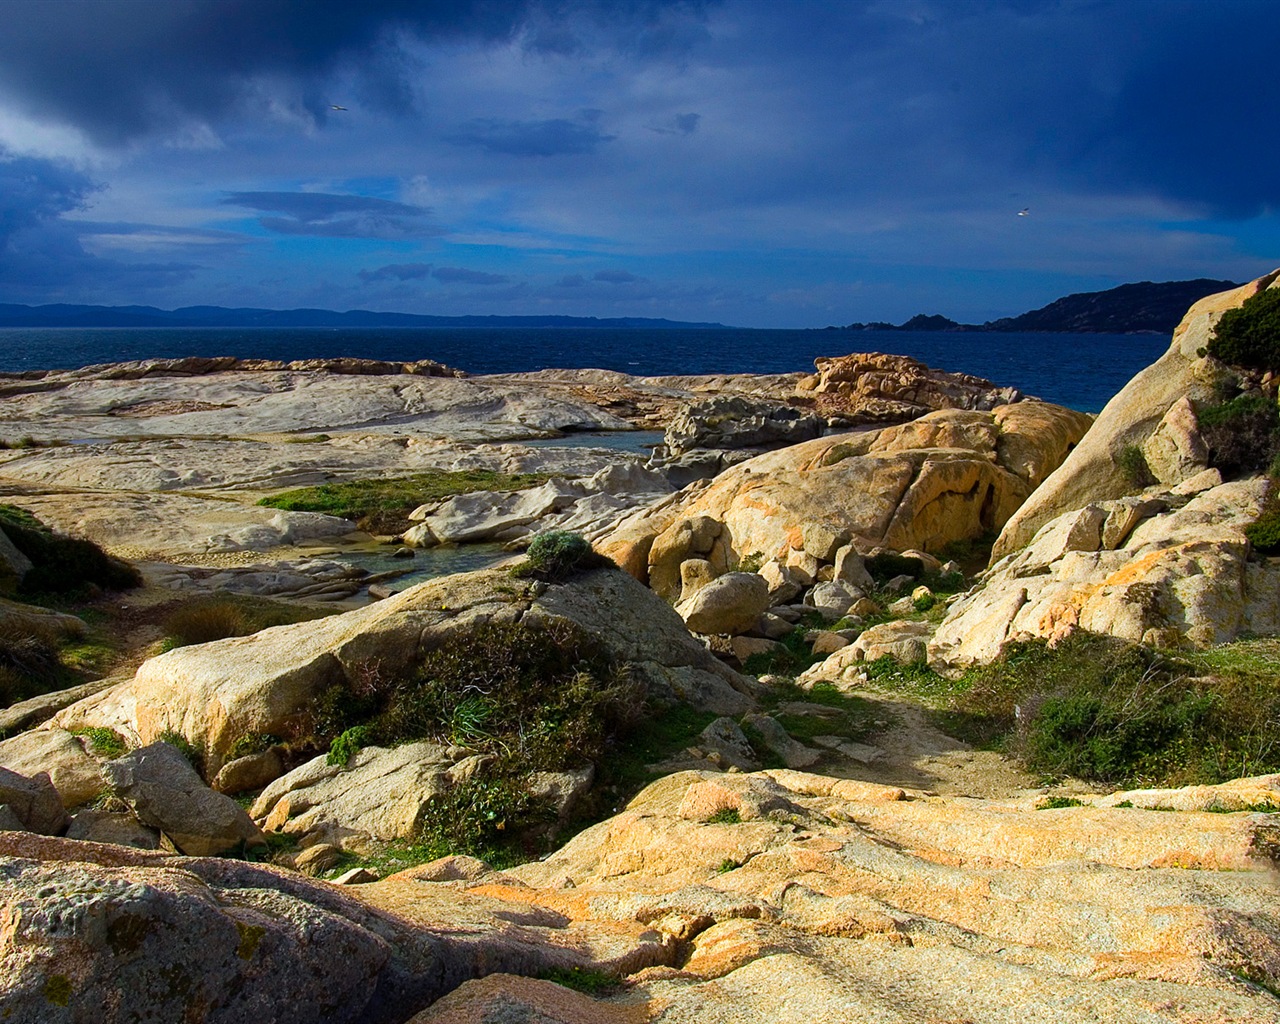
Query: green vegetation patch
point(1107, 710)
point(557, 555)
point(1056, 803)
point(1250, 335)
point(588, 980)
point(1264, 535)
point(724, 816)
point(1133, 464)
point(383, 505)
point(539, 696)
point(1242, 434)
point(104, 742)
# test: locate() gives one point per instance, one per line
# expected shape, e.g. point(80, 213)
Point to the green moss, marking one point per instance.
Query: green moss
point(250, 937)
point(1054, 803)
point(58, 990)
point(582, 979)
point(104, 742)
point(383, 506)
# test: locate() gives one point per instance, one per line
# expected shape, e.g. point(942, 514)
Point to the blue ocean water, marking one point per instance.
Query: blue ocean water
point(1082, 371)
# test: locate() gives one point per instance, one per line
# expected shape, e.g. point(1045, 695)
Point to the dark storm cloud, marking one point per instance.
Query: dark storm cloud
point(556, 137)
point(120, 68)
point(396, 272)
point(41, 256)
point(328, 215)
point(461, 275)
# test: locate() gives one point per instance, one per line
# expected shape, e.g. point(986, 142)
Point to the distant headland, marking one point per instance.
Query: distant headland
point(1128, 309)
point(65, 315)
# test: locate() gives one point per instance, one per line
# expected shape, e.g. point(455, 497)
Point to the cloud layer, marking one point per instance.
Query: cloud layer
point(752, 163)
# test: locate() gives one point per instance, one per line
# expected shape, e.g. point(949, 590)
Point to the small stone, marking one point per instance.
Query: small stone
point(356, 876)
point(404, 551)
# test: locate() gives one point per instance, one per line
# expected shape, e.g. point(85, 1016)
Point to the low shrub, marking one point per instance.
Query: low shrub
point(1107, 710)
point(1241, 434)
point(1056, 803)
point(1264, 535)
point(1250, 335)
point(582, 979)
point(205, 622)
point(485, 816)
point(557, 554)
point(886, 566)
point(1133, 464)
point(62, 565)
point(347, 744)
point(252, 743)
point(724, 816)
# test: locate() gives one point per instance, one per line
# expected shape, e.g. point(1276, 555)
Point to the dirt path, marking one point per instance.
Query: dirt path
point(917, 755)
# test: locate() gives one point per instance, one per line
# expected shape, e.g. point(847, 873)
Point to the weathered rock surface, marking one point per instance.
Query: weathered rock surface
point(75, 775)
point(735, 421)
point(1093, 472)
point(213, 694)
point(380, 794)
point(948, 476)
point(828, 898)
point(730, 604)
point(33, 802)
point(1137, 568)
point(872, 387)
point(165, 792)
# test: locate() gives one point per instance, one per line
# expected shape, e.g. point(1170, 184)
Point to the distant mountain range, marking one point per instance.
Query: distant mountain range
point(1129, 309)
point(62, 315)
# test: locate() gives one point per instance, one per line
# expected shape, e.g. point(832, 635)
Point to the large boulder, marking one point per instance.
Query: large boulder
point(736, 421)
point(874, 387)
point(1094, 471)
point(75, 775)
point(165, 792)
point(215, 694)
point(948, 476)
point(1091, 549)
point(1161, 570)
point(731, 604)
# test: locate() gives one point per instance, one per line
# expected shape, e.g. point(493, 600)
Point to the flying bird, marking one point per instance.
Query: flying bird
point(334, 106)
point(1025, 212)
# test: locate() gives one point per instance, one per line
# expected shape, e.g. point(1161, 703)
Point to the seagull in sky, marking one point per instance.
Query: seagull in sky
point(334, 106)
point(1025, 212)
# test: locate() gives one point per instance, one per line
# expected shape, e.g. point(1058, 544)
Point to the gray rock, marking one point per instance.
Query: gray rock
point(562, 791)
point(96, 826)
point(34, 802)
point(164, 791)
point(834, 599)
point(793, 753)
point(774, 627)
point(726, 738)
point(734, 421)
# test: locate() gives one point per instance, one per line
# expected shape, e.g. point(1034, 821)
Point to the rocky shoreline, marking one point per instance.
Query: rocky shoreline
point(735, 650)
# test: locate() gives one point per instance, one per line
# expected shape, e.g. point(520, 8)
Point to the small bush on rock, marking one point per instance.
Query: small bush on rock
point(62, 565)
point(1133, 464)
point(557, 554)
point(1264, 535)
point(1250, 335)
point(1242, 434)
point(184, 747)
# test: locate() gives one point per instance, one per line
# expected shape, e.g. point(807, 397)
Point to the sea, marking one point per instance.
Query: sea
point(1081, 371)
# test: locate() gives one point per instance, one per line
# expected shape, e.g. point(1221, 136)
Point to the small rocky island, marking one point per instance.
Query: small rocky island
point(879, 693)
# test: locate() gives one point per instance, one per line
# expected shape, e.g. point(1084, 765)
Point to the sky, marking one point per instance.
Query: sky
point(759, 163)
